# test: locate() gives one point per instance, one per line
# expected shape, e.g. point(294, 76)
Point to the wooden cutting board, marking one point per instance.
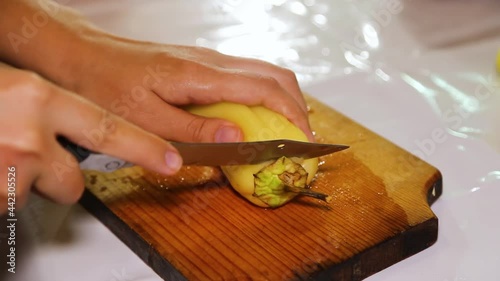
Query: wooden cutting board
point(195, 227)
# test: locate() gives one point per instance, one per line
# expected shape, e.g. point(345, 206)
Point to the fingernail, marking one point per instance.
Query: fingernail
point(174, 161)
point(228, 134)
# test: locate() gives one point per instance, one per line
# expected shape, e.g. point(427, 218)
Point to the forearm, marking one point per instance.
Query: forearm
point(144, 82)
point(44, 37)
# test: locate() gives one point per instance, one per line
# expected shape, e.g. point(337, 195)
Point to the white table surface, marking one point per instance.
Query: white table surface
point(402, 69)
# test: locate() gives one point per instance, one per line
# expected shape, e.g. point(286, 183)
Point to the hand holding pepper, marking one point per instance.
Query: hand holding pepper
point(145, 82)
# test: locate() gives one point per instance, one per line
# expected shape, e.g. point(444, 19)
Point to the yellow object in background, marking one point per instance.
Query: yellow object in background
point(498, 61)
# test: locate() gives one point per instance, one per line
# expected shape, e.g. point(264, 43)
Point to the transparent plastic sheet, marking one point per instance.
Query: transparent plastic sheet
point(324, 39)
point(401, 68)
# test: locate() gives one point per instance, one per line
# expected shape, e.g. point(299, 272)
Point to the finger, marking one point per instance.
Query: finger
point(17, 172)
point(193, 128)
point(176, 124)
point(253, 89)
point(60, 179)
point(218, 84)
point(96, 129)
point(269, 94)
point(285, 77)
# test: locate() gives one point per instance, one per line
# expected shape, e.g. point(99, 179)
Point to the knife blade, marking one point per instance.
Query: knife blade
point(214, 154)
point(225, 154)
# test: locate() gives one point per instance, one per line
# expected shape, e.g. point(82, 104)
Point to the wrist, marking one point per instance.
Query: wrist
point(78, 54)
point(47, 38)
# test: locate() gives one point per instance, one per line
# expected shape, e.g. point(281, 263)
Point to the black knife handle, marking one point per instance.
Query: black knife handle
point(81, 153)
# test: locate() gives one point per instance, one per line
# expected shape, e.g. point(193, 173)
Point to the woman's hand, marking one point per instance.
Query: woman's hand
point(146, 83)
point(149, 83)
point(34, 112)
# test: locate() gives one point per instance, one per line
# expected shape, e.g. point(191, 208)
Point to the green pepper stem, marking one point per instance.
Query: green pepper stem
point(308, 192)
point(282, 180)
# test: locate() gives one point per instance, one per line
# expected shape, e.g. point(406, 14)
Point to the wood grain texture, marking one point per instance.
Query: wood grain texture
point(195, 227)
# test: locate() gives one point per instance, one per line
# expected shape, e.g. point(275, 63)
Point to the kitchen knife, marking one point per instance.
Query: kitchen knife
point(215, 154)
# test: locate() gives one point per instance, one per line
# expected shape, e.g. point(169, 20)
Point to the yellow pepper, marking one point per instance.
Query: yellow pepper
point(498, 61)
point(271, 183)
